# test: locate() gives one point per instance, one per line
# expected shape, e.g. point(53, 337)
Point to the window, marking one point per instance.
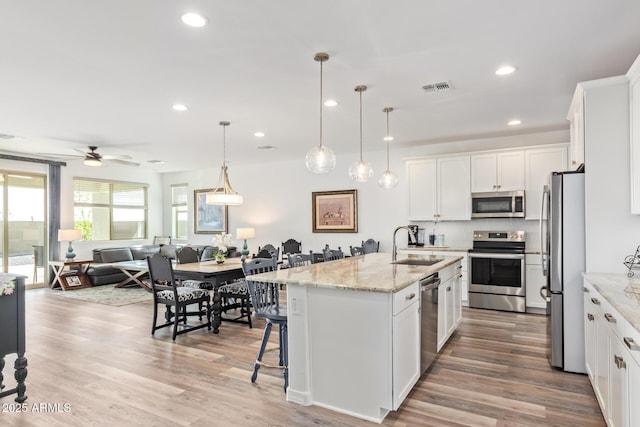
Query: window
point(179, 213)
point(110, 210)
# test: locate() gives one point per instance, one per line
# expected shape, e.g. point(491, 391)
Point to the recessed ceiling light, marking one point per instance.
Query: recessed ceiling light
point(515, 122)
point(330, 103)
point(180, 107)
point(156, 162)
point(388, 138)
point(194, 20)
point(505, 70)
point(258, 134)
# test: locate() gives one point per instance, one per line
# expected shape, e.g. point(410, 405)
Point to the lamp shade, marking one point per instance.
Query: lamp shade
point(245, 233)
point(69, 235)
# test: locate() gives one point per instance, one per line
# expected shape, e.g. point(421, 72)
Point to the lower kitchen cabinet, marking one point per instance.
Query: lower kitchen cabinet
point(449, 303)
point(406, 349)
point(612, 360)
point(535, 283)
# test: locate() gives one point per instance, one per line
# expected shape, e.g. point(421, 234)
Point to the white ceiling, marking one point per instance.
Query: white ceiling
point(75, 73)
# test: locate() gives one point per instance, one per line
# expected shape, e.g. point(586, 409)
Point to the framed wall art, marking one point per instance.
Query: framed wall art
point(335, 211)
point(209, 219)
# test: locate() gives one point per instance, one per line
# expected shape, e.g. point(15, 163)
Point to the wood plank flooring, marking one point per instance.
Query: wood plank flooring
point(103, 363)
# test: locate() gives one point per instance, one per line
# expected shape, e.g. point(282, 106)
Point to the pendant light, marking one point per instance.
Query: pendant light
point(388, 179)
point(223, 194)
point(360, 171)
point(320, 159)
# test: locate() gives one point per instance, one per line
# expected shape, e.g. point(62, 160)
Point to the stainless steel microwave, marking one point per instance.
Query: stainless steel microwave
point(499, 204)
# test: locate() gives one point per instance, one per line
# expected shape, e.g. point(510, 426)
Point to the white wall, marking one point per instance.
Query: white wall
point(611, 231)
point(277, 197)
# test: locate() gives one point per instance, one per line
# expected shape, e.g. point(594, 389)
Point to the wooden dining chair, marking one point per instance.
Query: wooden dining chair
point(175, 298)
point(265, 298)
point(332, 254)
point(291, 246)
point(356, 250)
point(370, 246)
point(299, 260)
point(185, 255)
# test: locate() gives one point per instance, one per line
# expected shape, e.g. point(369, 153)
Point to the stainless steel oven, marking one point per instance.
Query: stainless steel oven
point(497, 271)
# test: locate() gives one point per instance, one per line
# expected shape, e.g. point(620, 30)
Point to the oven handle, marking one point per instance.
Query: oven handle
point(494, 255)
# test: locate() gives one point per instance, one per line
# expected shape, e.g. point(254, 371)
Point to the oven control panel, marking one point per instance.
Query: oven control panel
point(498, 236)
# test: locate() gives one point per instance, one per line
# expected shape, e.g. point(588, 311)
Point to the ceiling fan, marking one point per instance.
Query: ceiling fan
point(93, 158)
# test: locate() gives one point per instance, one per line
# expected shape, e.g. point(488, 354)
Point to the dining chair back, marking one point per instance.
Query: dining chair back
point(332, 254)
point(291, 246)
point(175, 298)
point(370, 246)
point(272, 250)
point(185, 255)
point(265, 298)
point(299, 260)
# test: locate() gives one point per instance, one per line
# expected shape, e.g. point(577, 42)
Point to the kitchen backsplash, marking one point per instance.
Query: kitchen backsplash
point(459, 234)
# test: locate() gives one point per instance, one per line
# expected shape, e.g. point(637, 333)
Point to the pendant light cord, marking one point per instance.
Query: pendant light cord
point(387, 138)
point(321, 103)
point(360, 126)
point(224, 146)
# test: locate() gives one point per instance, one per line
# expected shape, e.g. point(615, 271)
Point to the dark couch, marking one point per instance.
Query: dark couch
point(106, 274)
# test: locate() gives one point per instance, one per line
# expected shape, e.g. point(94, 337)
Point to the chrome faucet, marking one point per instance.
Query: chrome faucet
point(394, 251)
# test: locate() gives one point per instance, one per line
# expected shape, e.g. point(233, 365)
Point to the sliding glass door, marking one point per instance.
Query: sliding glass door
point(23, 225)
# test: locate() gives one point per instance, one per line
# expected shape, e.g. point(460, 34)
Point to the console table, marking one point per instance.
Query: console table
point(12, 336)
point(68, 279)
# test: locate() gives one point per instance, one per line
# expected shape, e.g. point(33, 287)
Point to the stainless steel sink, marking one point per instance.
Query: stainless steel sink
point(417, 261)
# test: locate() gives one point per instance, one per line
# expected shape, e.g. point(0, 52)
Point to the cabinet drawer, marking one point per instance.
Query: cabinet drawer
point(631, 340)
point(402, 299)
point(613, 319)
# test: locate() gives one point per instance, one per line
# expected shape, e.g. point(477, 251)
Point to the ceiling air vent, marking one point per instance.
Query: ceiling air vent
point(6, 136)
point(437, 87)
point(267, 147)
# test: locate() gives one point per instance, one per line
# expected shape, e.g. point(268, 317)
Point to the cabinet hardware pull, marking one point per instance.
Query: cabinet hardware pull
point(629, 342)
point(460, 276)
point(411, 296)
point(585, 289)
point(619, 361)
point(610, 318)
point(590, 317)
point(448, 288)
point(595, 301)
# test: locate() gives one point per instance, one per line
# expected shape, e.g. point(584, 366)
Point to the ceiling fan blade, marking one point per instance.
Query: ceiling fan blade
point(61, 156)
point(124, 162)
point(116, 157)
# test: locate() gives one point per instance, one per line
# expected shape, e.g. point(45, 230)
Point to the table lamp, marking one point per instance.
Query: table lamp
point(244, 234)
point(69, 235)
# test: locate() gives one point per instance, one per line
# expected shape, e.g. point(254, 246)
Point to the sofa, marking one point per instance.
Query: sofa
point(100, 272)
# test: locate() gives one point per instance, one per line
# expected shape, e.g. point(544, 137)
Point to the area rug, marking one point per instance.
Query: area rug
point(108, 295)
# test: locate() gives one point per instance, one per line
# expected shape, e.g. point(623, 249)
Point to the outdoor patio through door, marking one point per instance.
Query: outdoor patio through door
point(23, 225)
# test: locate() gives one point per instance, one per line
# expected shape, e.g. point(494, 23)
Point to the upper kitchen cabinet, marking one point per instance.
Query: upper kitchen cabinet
point(503, 171)
point(634, 117)
point(540, 162)
point(576, 129)
point(439, 189)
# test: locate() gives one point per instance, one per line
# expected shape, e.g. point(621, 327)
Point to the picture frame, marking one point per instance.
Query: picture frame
point(335, 211)
point(208, 219)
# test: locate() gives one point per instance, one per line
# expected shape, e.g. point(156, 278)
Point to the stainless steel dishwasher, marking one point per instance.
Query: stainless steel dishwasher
point(428, 320)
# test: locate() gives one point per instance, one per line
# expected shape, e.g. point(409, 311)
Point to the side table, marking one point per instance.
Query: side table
point(67, 278)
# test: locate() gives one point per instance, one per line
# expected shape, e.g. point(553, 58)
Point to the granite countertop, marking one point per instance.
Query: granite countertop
point(622, 292)
point(370, 273)
point(434, 248)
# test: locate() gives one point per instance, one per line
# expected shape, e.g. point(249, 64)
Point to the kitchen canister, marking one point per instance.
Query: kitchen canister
point(440, 241)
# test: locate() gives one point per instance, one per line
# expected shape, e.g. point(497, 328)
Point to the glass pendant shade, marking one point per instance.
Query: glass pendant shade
point(320, 159)
point(223, 194)
point(388, 180)
point(360, 171)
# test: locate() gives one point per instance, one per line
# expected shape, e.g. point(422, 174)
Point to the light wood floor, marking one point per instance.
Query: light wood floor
point(103, 363)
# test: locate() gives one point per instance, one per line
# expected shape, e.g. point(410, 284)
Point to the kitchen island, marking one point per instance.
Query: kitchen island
point(354, 331)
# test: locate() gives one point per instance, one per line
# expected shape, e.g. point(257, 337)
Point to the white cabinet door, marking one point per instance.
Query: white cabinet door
point(510, 172)
point(590, 337)
point(576, 129)
point(422, 177)
point(483, 172)
point(454, 188)
point(633, 369)
point(406, 352)
point(618, 394)
point(534, 280)
point(442, 315)
point(539, 163)
point(634, 94)
point(602, 363)
point(456, 302)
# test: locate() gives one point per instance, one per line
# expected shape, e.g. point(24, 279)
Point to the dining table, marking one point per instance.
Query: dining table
point(215, 273)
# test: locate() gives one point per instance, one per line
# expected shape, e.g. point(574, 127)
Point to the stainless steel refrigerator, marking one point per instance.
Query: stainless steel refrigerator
point(562, 232)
